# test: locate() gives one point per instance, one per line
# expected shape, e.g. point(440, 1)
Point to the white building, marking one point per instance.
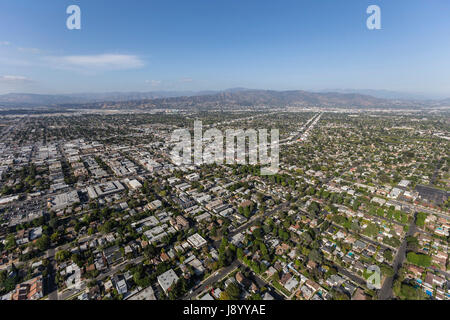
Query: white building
point(167, 279)
point(64, 200)
point(196, 241)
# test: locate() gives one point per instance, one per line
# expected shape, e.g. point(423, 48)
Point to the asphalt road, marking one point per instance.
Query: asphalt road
point(385, 292)
point(351, 276)
point(51, 285)
point(211, 280)
point(261, 283)
point(266, 214)
point(419, 208)
point(367, 239)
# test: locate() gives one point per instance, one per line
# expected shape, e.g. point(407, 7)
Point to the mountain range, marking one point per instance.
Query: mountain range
point(236, 97)
point(30, 100)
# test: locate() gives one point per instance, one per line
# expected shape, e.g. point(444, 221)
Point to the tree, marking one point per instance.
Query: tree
point(418, 259)
point(413, 243)
point(224, 296)
point(214, 231)
point(276, 277)
point(314, 208)
point(54, 237)
point(141, 279)
point(387, 254)
point(233, 291)
point(408, 292)
point(262, 267)
point(3, 276)
point(76, 259)
point(397, 288)
point(337, 295)
point(10, 242)
point(420, 219)
point(315, 256)
point(387, 270)
point(258, 233)
point(178, 289)
point(263, 249)
point(60, 256)
point(240, 253)
point(43, 242)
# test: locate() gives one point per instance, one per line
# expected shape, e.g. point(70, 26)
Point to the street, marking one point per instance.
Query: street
point(385, 292)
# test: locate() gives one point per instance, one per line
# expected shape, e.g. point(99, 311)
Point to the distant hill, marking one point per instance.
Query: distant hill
point(386, 94)
point(284, 98)
point(269, 98)
point(228, 99)
point(30, 100)
point(445, 102)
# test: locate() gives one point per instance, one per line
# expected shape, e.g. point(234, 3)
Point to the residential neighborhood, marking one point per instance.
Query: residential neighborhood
point(93, 208)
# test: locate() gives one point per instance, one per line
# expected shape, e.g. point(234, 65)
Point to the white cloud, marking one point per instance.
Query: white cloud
point(7, 61)
point(30, 50)
point(153, 83)
point(101, 62)
point(14, 79)
point(4, 43)
point(15, 83)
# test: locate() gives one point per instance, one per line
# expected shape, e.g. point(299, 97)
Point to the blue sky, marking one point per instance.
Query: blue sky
point(138, 45)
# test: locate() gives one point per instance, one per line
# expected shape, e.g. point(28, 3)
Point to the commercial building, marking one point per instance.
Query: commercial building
point(196, 241)
point(64, 200)
point(167, 279)
point(30, 290)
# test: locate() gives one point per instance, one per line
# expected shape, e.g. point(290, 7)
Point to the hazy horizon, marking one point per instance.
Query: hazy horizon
point(383, 94)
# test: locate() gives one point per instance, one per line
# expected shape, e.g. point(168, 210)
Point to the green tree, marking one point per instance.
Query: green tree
point(10, 242)
point(43, 242)
point(233, 291)
point(387, 254)
point(61, 256)
point(418, 259)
